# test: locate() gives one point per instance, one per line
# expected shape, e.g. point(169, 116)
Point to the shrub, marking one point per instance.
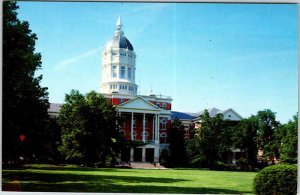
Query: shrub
point(110, 161)
point(276, 180)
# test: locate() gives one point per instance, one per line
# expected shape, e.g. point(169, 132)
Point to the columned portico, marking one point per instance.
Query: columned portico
point(144, 121)
point(144, 126)
point(131, 130)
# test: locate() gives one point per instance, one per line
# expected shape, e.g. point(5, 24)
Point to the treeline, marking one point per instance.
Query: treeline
point(87, 129)
point(257, 141)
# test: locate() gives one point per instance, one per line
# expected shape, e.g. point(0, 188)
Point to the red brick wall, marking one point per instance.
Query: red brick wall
point(139, 126)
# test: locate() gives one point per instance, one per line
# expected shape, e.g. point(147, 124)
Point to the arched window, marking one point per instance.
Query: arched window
point(163, 123)
point(163, 138)
point(134, 122)
point(134, 135)
point(114, 72)
point(122, 72)
point(122, 133)
point(146, 134)
point(129, 73)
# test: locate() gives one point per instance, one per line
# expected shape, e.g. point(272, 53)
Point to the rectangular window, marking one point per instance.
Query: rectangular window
point(134, 123)
point(122, 72)
point(164, 106)
point(129, 73)
point(114, 71)
point(146, 123)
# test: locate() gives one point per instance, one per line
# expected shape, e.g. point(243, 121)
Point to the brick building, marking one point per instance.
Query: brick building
point(147, 118)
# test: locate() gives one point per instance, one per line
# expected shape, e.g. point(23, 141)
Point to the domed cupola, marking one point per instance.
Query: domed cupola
point(119, 40)
point(118, 65)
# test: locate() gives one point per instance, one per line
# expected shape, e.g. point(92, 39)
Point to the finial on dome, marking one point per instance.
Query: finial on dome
point(119, 23)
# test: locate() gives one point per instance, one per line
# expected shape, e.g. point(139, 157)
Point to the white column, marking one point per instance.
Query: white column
point(131, 132)
point(131, 154)
point(233, 158)
point(143, 154)
point(153, 128)
point(156, 154)
point(144, 121)
point(157, 129)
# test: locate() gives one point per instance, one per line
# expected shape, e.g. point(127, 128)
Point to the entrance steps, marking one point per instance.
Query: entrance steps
point(146, 165)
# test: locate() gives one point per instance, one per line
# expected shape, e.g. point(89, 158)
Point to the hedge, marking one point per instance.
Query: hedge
point(276, 180)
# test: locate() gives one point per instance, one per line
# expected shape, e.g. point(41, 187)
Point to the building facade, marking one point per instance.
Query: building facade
point(146, 118)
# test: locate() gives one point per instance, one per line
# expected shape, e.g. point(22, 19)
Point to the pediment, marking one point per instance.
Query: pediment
point(232, 115)
point(138, 103)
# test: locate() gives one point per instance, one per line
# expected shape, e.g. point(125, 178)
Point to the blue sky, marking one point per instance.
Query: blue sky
point(203, 55)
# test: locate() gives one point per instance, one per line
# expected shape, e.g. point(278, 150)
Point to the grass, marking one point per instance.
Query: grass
point(47, 178)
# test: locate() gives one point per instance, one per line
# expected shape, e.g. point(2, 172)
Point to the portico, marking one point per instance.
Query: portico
point(142, 120)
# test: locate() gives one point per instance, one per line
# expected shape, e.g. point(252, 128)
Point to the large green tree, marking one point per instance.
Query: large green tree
point(212, 140)
point(288, 139)
point(244, 137)
point(177, 144)
point(25, 102)
point(266, 135)
point(90, 129)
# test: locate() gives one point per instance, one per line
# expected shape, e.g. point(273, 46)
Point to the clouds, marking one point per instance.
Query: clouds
point(75, 59)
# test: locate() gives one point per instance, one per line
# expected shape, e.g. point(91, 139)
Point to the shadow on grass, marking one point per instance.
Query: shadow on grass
point(43, 182)
point(69, 168)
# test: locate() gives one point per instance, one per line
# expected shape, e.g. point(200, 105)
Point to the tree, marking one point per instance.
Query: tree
point(288, 141)
point(212, 140)
point(177, 144)
point(25, 102)
point(90, 129)
point(266, 132)
point(244, 138)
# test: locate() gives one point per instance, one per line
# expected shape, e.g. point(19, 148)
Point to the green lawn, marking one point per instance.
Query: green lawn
point(48, 178)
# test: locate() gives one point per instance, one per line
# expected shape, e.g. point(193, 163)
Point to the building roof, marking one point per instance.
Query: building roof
point(212, 112)
point(196, 116)
point(119, 40)
point(183, 115)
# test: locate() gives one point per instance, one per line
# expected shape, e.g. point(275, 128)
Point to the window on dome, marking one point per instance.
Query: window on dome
point(114, 71)
point(122, 72)
point(129, 73)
